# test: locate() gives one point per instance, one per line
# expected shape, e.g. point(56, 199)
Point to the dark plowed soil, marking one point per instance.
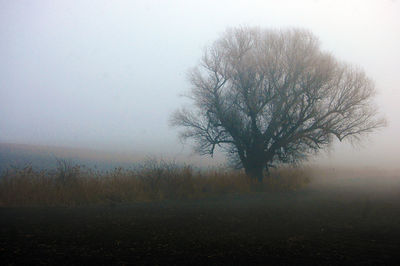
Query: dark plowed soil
point(307, 227)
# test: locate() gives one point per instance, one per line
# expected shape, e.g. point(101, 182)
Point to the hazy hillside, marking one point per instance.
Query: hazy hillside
point(45, 157)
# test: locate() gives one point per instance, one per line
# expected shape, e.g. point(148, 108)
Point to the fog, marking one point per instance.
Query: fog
point(107, 75)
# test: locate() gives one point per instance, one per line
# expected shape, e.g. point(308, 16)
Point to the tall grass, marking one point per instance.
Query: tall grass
point(72, 185)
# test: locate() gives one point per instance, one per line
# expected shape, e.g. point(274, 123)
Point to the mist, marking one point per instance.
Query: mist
point(107, 75)
point(91, 172)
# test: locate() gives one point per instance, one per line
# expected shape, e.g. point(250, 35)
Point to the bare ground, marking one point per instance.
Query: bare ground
point(324, 224)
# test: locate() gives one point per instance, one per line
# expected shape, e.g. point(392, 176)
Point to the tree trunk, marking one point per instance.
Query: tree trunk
point(254, 162)
point(255, 173)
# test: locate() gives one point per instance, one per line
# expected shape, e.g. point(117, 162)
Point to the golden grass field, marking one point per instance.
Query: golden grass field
point(72, 185)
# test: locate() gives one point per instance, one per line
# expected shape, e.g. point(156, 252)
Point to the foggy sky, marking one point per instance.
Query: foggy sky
point(108, 74)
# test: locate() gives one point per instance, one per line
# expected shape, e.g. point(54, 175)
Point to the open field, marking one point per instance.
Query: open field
point(71, 185)
point(352, 220)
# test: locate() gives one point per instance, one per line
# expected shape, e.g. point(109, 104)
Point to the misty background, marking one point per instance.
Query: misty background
point(106, 75)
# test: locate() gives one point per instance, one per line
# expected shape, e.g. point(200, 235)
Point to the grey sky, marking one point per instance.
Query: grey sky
point(108, 74)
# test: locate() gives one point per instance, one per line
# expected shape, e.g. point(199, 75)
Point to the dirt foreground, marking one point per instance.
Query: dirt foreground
point(319, 225)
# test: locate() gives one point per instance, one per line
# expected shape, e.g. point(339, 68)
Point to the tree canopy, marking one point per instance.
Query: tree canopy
point(272, 96)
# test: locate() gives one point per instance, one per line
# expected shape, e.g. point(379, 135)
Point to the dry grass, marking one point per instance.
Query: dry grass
point(71, 185)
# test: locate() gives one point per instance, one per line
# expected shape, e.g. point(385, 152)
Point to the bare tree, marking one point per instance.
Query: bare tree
point(268, 97)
